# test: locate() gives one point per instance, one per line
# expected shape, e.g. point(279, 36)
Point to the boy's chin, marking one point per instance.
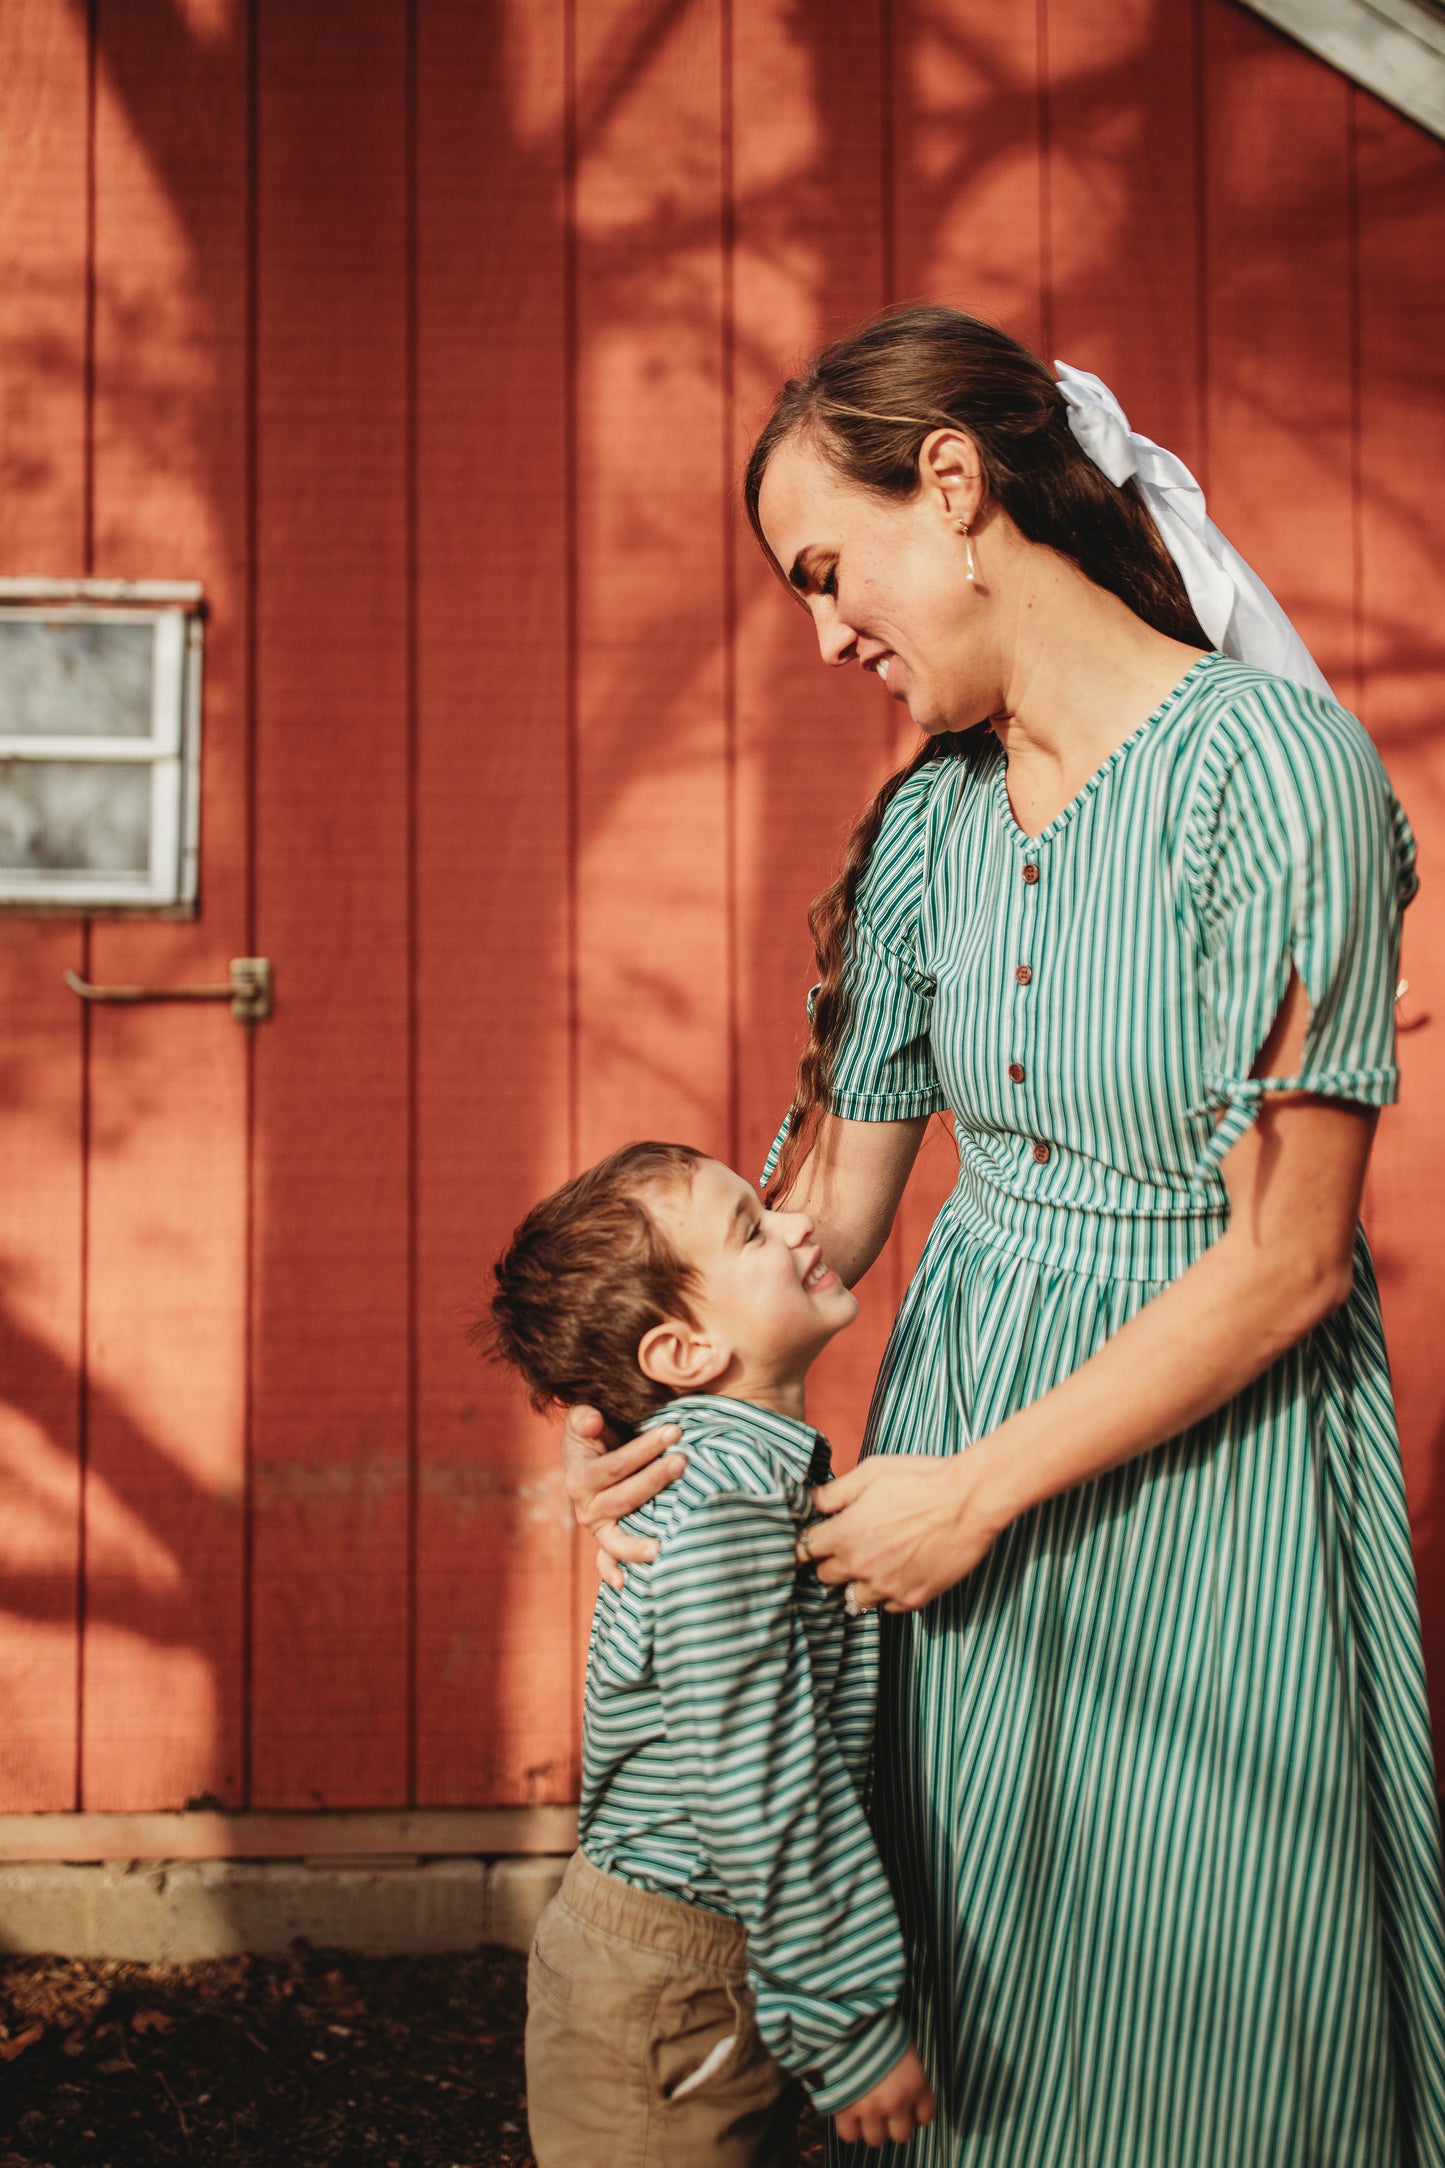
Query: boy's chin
point(846, 1304)
point(824, 1326)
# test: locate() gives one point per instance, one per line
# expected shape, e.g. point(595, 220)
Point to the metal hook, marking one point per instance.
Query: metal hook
point(248, 990)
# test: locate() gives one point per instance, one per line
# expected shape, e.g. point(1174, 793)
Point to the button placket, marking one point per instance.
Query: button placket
point(1023, 976)
point(1023, 973)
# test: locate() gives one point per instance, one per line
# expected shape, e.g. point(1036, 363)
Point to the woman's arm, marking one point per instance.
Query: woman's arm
point(909, 1528)
point(851, 1185)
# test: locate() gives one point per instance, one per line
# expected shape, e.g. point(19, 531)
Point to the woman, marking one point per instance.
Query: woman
point(1153, 1773)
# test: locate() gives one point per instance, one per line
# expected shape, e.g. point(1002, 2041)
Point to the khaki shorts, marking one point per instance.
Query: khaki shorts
point(628, 1997)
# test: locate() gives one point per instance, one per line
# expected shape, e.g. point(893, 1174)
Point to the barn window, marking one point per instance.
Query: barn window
point(99, 745)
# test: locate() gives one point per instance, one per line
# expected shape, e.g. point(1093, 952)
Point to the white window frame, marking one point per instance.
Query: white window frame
point(175, 608)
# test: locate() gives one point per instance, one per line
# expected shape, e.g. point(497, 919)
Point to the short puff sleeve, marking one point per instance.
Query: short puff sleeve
point(1301, 859)
point(884, 1070)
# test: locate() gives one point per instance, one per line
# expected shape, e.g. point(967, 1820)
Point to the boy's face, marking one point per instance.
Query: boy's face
point(763, 1296)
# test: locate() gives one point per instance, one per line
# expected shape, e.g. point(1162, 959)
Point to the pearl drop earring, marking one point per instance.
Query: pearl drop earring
point(970, 562)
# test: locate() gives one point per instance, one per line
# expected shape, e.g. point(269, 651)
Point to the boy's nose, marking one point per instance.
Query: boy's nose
point(797, 1227)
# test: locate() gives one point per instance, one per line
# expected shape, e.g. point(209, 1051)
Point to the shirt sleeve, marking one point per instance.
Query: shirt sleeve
point(771, 1798)
point(1304, 863)
point(884, 1070)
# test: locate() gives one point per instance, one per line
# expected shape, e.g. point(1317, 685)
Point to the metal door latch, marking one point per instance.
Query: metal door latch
point(248, 990)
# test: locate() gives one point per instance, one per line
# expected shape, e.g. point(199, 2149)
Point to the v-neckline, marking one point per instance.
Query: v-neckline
point(1020, 836)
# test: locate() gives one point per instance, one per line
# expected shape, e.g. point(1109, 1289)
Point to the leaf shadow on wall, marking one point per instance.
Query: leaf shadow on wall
point(656, 271)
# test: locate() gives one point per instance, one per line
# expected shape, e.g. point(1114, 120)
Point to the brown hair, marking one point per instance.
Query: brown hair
point(866, 404)
point(586, 1274)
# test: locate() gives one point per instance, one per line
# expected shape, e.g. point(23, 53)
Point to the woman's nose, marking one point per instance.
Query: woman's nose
point(837, 641)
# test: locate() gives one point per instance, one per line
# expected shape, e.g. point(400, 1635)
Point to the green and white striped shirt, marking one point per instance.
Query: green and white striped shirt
point(726, 1744)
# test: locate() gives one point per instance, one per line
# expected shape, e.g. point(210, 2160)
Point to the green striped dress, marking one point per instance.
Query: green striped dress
point(1154, 1783)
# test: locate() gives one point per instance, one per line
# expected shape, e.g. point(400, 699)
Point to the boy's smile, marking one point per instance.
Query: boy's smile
point(764, 1300)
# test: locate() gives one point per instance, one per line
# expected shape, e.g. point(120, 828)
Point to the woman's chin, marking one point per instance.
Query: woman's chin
point(930, 716)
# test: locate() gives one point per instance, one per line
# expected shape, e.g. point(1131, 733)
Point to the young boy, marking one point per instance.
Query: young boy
point(726, 1929)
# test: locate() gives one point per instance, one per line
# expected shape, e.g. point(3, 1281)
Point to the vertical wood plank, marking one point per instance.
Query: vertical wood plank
point(43, 133)
point(331, 1260)
point(1125, 290)
point(1400, 197)
point(168, 1187)
point(495, 1643)
point(654, 1047)
point(968, 178)
point(1278, 339)
point(811, 140)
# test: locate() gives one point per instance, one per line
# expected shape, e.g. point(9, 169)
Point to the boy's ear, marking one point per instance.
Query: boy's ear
point(677, 1355)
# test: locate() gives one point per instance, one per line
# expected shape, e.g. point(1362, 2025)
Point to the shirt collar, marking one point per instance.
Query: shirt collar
point(802, 1452)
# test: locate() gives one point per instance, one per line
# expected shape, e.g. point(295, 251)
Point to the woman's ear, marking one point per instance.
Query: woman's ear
point(951, 472)
point(677, 1355)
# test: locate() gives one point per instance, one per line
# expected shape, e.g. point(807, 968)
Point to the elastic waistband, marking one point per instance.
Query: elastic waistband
point(689, 1932)
point(1146, 1245)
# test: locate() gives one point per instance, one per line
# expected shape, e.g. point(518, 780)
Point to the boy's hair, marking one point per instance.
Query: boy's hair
point(586, 1274)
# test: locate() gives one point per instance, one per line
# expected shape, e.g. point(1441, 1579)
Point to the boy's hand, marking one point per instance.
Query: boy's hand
point(604, 1486)
point(894, 2108)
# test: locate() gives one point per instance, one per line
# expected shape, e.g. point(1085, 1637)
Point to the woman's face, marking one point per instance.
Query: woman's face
point(886, 584)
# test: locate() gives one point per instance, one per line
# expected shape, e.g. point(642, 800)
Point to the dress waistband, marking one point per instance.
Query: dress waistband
point(1146, 1245)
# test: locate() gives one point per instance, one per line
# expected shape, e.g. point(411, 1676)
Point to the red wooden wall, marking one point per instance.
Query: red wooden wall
point(430, 337)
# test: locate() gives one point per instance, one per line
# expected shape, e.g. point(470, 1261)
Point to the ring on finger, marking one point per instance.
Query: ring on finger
point(803, 1544)
point(851, 1602)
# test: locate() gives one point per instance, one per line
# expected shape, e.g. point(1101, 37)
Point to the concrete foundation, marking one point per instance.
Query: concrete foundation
point(180, 1911)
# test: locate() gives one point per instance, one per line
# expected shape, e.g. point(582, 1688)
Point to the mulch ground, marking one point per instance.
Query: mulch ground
point(315, 2060)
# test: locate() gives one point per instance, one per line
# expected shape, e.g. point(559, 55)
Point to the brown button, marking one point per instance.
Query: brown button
point(1041, 1154)
point(1023, 974)
point(1016, 1071)
point(1031, 873)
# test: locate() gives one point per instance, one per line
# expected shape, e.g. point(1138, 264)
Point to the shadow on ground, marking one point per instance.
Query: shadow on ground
point(319, 2059)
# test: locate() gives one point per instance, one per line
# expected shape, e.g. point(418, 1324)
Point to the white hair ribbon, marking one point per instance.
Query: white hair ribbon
point(1231, 602)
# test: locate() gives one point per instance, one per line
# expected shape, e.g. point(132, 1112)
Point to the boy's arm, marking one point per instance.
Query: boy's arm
point(771, 1798)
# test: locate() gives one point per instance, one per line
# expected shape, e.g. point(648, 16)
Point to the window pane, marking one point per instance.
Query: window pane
point(75, 680)
point(75, 816)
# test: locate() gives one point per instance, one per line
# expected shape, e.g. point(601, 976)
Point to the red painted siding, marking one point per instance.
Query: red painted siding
point(44, 523)
point(431, 338)
point(495, 659)
point(167, 1206)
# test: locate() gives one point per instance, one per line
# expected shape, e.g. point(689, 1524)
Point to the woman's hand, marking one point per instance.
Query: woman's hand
point(902, 1528)
point(604, 1486)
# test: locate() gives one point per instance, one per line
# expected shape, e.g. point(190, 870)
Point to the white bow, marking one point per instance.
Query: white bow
point(1231, 602)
